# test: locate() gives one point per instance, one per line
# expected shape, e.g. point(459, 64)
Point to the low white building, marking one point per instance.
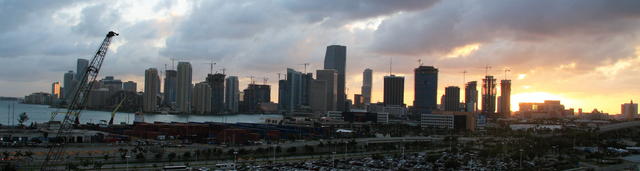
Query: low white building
point(437, 121)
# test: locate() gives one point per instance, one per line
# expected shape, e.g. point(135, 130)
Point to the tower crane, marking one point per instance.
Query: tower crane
point(77, 104)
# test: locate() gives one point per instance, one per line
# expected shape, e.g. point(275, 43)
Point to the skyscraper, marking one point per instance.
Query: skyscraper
point(629, 110)
point(393, 90)
point(151, 90)
point(232, 94)
point(336, 58)
point(318, 92)
point(425, 88)
point(505, 98)
point(330, 76)
point(202, 98)
point(282, 95)
point(367, 82)
point(184, 87)
point(489, 94)
point(69, 85)
point(55, 90)
point(170, 89)
point(296, 90)
point(255, 95)
point(216, 83)
point(452, 98)
point(471, 96)
point(111, 83)
point(81, 68)
point(130, 86)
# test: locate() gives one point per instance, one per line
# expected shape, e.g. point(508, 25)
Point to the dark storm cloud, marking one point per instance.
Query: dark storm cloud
point(452, 24)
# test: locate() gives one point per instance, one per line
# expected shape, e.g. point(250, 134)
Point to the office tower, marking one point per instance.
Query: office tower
point(425, 88)
point(202, 98)
point(296, 90)
point(452, 98)
point(505, 98)
point(55, 90)
point(471, 96)
point(130, 86)
point(330, 76)
point(489, 94)
point(393, 90)
point(367, 82)
point(232, 94)
point(151, 85)
point(111, 84)
point(170, 89)
point(255, 95)
point(184, 87)
point(318, 92)
point(216, 82)
point(336, 58)
point(629, 110)
point(69, 85)
point(358, 101)
point(81, 68)
point(282, 95)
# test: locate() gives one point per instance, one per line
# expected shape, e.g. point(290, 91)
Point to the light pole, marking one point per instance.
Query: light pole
point(333, 159)
point(274, 152)
point(521, 159)
point(127, 159)
point(235, 160)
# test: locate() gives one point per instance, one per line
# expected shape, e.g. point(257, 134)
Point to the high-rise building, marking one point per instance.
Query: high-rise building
point(358, 101)
point(505, 98)
point(336, 58)
point(184, 87)
point(471, 96)
point(202, 98)
point(629, 110)
point(151, 90)
point(130, 86)
point(295, 91)
point(282, 95)
point(393, 90)
point(425, 88)
point(367, 84)
point(81, 68)
point(489, 94)
point(452, 98)
point(232, 94)
point(170, 89)
point(255, 95)
point(318, 92)
point(216, 82)
point(330, 76)
point(55, 90)
point(69, 85)
point(111, 84)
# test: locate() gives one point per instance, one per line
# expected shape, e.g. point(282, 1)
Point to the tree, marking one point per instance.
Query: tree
point(172, 156)
point(291, 150)
point(23, 118)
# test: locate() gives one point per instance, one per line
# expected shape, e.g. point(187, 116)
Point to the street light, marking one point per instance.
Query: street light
point(127, 159)
point(235, 160)
point(333, 159)
point(274, 152)
point(521, 159)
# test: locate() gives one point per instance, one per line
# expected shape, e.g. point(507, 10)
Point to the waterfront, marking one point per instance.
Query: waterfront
point(42, 113)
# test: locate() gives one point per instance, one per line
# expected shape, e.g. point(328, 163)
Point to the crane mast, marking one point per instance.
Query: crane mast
point(78, 102)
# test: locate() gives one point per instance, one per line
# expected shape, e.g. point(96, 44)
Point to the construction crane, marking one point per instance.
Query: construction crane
point(78, 101)
point(305, 67)
point(113, 114)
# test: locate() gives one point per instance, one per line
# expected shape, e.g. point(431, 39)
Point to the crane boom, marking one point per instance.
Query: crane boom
point(78, 102)
point(113, 114)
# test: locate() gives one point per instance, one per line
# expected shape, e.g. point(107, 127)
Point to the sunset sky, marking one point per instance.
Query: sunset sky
point(583, 52)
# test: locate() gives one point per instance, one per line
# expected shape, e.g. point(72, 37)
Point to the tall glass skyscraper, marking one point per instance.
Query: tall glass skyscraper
point(151, 90)
point(426, 88)
point(336, 58)
point(471, 96)
point(232, 94)
point(394, 90)
point(216, 83)
point(170, 79)
point(367, 82)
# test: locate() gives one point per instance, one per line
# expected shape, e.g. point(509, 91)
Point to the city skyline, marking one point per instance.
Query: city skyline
point(576, 66)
